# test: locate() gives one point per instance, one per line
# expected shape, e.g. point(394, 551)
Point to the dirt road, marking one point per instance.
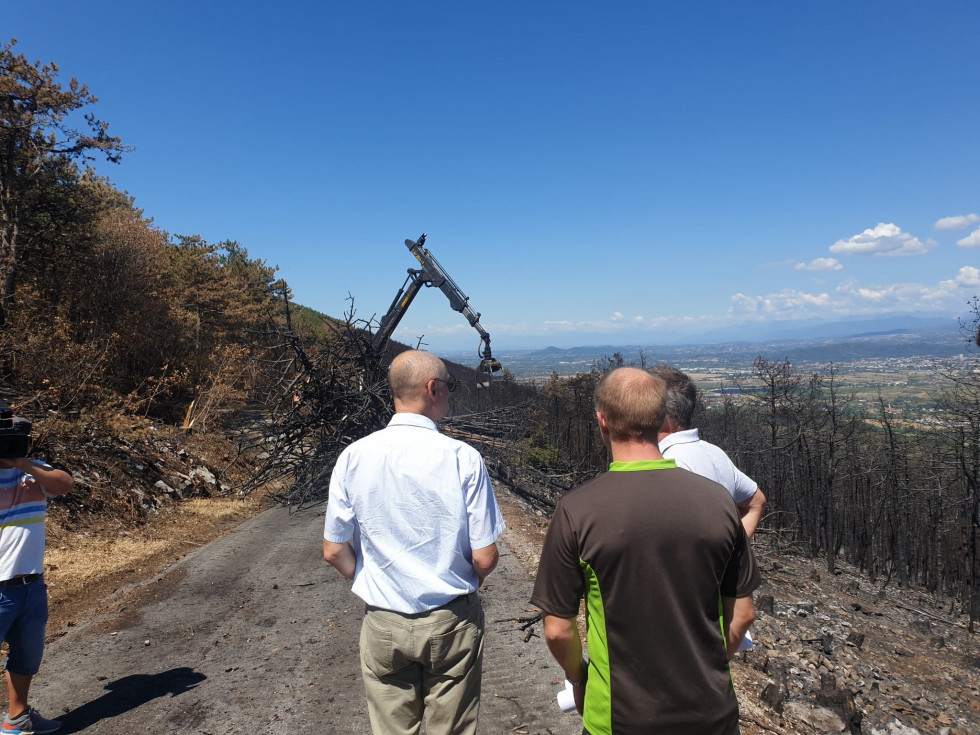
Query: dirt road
point(255, 633)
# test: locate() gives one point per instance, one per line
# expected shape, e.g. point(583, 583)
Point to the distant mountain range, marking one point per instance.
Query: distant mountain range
point(818, 329)
point(803, 342)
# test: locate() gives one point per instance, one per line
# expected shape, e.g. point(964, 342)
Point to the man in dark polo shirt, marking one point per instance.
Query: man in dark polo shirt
point(660, 555)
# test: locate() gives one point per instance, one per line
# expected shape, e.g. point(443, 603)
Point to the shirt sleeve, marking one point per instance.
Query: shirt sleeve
point(559, 584)
point(743, 487)
point(46, 466)
point(742, 576)
point(483, 514)
point(339, 524)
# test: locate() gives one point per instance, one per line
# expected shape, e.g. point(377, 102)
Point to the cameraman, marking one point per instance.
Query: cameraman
point(25, 486)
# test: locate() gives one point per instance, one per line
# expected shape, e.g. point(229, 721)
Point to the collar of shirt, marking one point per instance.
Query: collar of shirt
point(643, 465)
point(413, 419)
point(688, 436)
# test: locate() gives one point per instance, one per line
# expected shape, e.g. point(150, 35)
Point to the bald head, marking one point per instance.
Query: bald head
point(631, 402)
point(410, 373)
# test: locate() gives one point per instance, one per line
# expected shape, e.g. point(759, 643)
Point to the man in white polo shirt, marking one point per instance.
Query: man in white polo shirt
point(680, 442)
point(413, 521)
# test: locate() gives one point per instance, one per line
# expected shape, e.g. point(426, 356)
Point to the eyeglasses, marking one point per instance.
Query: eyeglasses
point(451, 384)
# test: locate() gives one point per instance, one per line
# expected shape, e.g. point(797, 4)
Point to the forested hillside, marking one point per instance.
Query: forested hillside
point(126, 343)
point(99, 306)
point(113, 331)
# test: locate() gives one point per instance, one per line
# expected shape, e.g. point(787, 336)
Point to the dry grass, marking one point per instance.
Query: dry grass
point(87, 572)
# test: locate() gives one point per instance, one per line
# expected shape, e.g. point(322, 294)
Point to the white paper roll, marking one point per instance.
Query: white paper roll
point(566, 698)
point(746, 644)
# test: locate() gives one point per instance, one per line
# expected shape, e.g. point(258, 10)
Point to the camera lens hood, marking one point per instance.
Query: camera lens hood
point(15, 439)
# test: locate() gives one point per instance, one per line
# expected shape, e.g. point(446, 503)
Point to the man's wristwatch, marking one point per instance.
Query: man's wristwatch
point(585, 676)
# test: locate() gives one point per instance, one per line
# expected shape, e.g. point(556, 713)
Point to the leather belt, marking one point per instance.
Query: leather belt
point(25, 580)
point(460, 598)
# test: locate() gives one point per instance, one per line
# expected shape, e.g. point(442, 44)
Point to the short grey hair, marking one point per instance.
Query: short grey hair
point(682, 394)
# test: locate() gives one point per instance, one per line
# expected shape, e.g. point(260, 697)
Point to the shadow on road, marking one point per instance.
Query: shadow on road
point(130, 692)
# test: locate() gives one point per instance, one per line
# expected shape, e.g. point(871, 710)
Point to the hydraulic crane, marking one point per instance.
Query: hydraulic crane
point(433, 274)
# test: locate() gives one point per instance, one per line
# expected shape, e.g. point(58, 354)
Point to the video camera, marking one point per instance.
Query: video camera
point(15, 434)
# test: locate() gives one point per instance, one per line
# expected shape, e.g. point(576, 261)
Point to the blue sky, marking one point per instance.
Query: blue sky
point(589, 173)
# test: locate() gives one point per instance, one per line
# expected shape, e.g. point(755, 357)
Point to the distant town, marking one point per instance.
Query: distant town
point(902, 371)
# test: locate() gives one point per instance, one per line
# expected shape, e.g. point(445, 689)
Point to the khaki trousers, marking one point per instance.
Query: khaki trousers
point(427, 665)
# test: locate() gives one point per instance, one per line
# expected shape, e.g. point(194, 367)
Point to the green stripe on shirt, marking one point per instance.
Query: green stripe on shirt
point(23, 522)
point(643, 465)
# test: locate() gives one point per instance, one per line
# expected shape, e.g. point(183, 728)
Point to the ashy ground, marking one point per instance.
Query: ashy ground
point(157, 627)
point(255, 633)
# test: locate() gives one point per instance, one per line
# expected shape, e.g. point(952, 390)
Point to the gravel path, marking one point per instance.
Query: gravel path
point(255, 633)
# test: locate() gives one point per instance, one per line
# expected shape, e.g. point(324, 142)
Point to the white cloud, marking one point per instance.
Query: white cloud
point(819, 264)
point(743, 304)
point(886, 239)
point(852, 298)
point(617, 317)
point(871, 294)
point(957, 223)
point(968, 276)
point(945, 294)
point(786, 303)
point(896, 295)
point(970, 241)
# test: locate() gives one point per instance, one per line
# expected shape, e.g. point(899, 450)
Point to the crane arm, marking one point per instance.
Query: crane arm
point(403, 299)
point(433, 274)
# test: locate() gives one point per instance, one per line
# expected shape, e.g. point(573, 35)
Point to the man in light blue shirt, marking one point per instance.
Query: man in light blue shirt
point(412, 520)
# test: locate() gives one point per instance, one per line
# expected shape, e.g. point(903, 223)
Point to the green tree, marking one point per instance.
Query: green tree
point(37, 135)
